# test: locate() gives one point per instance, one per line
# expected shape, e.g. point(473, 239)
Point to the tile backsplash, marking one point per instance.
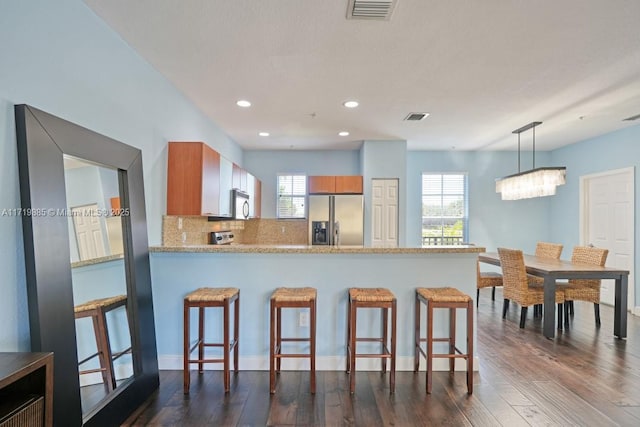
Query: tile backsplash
point(275, 232)
point(194, 230)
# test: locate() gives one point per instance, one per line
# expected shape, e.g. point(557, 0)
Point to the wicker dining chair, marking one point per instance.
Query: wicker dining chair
point(585, 289)
point(544, 250)
point(487, 279)
point(516, 286)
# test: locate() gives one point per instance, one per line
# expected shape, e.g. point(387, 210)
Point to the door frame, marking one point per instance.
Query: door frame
point(584, 227)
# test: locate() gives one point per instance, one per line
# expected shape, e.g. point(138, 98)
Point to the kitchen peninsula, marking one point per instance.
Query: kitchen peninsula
point(258, 269)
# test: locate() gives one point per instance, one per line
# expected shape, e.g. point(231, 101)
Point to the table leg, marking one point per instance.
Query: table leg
point(549, 319)
point(620, 313)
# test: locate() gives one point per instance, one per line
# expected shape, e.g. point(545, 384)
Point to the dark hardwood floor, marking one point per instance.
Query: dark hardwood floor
point(584, 377)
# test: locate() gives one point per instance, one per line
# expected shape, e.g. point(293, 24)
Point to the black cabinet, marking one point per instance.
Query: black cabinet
point(26, 389)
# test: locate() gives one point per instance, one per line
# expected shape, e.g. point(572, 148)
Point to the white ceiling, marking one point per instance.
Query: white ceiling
point(480, 68)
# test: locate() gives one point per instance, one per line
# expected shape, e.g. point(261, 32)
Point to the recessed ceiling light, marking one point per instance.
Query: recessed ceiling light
point(343, 133)
point(350, 104)
point(243, 103)
point(263, 133)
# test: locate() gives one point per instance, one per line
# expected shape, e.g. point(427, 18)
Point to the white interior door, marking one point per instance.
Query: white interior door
point(384, 213)
point(608, 222)
point(88, 232)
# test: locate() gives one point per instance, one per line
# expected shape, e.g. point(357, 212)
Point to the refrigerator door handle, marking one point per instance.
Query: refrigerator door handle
point(332, 220)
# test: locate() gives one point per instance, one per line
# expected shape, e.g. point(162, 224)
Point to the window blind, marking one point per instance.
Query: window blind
point(292, 193)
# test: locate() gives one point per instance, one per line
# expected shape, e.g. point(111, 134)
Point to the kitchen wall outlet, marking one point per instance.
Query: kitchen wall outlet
point(282, 229)
point(304, 319)
point(179, 223)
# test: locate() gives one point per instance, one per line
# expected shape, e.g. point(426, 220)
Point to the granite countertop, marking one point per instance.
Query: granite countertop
point(305, 249)
point(98, 260)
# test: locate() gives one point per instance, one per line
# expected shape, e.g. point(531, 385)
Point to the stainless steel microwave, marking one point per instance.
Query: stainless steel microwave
point(240, 205)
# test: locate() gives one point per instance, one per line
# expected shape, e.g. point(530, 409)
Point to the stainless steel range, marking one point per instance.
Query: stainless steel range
point(221, 237)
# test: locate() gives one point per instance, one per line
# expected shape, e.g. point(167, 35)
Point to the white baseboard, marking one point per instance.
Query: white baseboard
point(323, 363)
point(636, 311)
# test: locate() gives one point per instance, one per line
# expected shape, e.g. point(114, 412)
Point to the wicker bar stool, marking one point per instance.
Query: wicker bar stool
point(383, 299)
point(208, 298)
point(452, 299)
point(291, 298)
point(97, 310)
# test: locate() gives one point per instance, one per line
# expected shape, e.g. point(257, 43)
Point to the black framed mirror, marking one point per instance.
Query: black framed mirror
point(44, 141)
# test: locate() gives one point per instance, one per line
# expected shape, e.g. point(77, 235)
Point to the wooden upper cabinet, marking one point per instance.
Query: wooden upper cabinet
point(349, 184)
point(342, 184)
point(257, 198)
point(193, 179)
point(321, 184)
point(239, 178)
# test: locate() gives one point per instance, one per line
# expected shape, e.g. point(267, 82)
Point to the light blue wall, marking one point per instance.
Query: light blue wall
point(266, 165)
point(60, 57)
point(385, 160)
point(85, 186)
point(612, 151)
point(492, 222)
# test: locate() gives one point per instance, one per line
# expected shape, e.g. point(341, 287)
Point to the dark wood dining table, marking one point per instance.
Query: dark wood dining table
point(553, 269)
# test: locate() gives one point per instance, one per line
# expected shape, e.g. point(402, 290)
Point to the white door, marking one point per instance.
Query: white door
point(88, 229)
point(607, 216)
point(384, 213)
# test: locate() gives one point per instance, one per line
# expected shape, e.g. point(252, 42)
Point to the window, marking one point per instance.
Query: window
point(292, 193)
point(444, 209)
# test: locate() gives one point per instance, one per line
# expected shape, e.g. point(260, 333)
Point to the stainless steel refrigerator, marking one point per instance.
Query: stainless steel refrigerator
point(336, 220)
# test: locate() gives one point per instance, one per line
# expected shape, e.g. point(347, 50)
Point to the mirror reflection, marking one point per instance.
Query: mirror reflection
point(98, 279)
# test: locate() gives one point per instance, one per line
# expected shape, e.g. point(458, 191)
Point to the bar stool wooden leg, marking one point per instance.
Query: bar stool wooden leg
point(272, 349)
point(200, 338)
point(348, 343)
point(385, 340)
point(394, 318)
point(100, 348)
point(452, 338)
point(226, 347)
point(107, 350)
point(185, 346)
point(352, 344)
point(312, 337)
point(279, 339)
point(236, 333)
point(470, 347)
point(429, 320)
point(416, 335)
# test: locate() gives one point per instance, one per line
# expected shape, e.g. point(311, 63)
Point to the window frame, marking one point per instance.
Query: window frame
point(292, 196)
point(442, 194)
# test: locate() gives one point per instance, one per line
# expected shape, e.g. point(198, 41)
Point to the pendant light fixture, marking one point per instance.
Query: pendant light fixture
point(532, 183)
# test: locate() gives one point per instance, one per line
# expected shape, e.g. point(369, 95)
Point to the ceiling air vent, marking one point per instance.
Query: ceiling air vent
point(416, 117)
point(380, 10)
point(632, 118)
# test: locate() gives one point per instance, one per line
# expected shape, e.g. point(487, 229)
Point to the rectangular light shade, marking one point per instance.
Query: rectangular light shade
point(534, 183)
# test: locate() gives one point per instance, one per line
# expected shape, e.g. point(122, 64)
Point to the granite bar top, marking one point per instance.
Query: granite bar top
point(98, 260)
point(305, 249)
